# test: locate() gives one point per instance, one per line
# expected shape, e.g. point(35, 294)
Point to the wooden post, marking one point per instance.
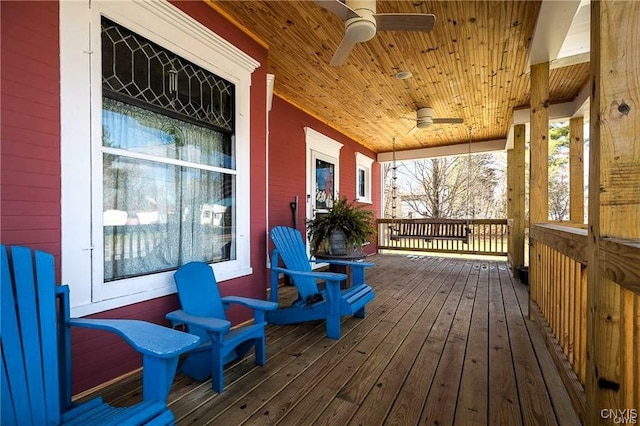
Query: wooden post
point(576, 170)
point(614, 201)
point(516, 195)
point(539, 163)
point(510, 208)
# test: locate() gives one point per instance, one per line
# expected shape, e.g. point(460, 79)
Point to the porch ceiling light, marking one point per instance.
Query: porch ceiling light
point(403, 75)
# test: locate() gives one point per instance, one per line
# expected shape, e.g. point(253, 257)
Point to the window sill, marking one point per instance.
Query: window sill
point(119, 302)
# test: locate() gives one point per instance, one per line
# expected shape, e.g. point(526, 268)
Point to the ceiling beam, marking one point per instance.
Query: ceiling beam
point(553, 24)
point(557, 112)
point(567, 61)
point(443, 151)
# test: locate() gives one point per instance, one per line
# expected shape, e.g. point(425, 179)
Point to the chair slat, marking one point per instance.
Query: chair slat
point(29, 320)
point(8, 412)
point(45, 275)
point(12, 350)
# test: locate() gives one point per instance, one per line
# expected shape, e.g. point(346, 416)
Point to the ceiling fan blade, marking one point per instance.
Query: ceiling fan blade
point(342, 53)
point(405, 21)
point(412, 131)
point(337, 7)
point(448, 120)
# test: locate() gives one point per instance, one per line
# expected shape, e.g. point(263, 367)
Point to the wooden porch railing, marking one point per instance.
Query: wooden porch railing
point(488, 236)
point(559, 304)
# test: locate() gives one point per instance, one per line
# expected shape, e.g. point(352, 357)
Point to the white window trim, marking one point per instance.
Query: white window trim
point(364, 163)
point(81, 89)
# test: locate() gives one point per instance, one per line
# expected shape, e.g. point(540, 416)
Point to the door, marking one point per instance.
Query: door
point(323, 171)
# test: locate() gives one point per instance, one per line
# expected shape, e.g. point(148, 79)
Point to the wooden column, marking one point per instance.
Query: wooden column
point(576, 170)
point(539, 162)
point(614, 208)
point(515, 198)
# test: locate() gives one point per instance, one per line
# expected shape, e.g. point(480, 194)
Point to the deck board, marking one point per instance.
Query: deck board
point(534, 399)
point(445, 341)
point(441, 403)
point(472, 402)
point(504, 404)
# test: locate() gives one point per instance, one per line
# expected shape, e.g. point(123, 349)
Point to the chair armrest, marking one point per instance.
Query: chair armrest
point(146, 338)
point(208, 323)
point(262, 305)
point(327, 276)
point(352, 263)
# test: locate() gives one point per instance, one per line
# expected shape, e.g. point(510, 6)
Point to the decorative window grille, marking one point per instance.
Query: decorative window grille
point(137, 71)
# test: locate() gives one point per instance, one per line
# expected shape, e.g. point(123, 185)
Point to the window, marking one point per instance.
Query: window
point(362, 193)
point(363, 178)
point(155, 151)
point(168, 164)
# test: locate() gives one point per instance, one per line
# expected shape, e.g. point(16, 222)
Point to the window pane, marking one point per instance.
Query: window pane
point(159, 216)
point(361, 183)
point(324, 184)
point(139, 130)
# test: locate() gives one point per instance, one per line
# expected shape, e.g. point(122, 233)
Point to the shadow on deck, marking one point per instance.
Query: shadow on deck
point(445, 341)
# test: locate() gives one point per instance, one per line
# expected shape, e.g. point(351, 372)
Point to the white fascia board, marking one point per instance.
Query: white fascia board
point(552, 27)
point(443, 151)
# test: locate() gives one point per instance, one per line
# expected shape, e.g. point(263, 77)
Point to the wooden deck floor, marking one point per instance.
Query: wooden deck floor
point(445, 341)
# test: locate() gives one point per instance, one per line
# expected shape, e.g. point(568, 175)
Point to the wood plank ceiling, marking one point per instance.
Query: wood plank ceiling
point(472, 65)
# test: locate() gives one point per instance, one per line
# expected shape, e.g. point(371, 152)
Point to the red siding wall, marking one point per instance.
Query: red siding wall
point(30, 131)
point(287, 169)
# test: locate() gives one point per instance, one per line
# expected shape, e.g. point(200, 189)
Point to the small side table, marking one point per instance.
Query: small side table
point(343, 269)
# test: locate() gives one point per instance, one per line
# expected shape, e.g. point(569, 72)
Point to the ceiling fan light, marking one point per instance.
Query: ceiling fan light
point(359, 30)
point(425, 122)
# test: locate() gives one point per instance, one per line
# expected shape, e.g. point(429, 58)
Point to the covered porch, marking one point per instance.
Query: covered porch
point(447, 340)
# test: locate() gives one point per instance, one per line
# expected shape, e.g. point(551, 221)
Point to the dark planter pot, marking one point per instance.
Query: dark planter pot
point(523, 274)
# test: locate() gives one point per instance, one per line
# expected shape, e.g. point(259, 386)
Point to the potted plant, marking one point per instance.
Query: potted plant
point(345, 226)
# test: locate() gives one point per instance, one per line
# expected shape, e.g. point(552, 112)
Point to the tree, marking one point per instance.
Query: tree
point(388, 189)
point(432, 188)
point(559, 171)
point(451, 187)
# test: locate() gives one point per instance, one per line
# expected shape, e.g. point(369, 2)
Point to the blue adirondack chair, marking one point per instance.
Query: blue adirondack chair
point(203, 312)
point(36, 344)
point(312, 303)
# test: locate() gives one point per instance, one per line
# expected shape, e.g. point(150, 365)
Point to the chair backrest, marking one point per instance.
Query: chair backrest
point(198, 293)
point(292, 250)
point(31, 372)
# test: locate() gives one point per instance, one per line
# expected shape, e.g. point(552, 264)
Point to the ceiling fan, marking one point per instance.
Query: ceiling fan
point(424, 118)
point(362, 22)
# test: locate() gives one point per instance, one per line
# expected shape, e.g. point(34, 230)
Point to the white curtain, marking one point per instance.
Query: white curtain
point(174, 213)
